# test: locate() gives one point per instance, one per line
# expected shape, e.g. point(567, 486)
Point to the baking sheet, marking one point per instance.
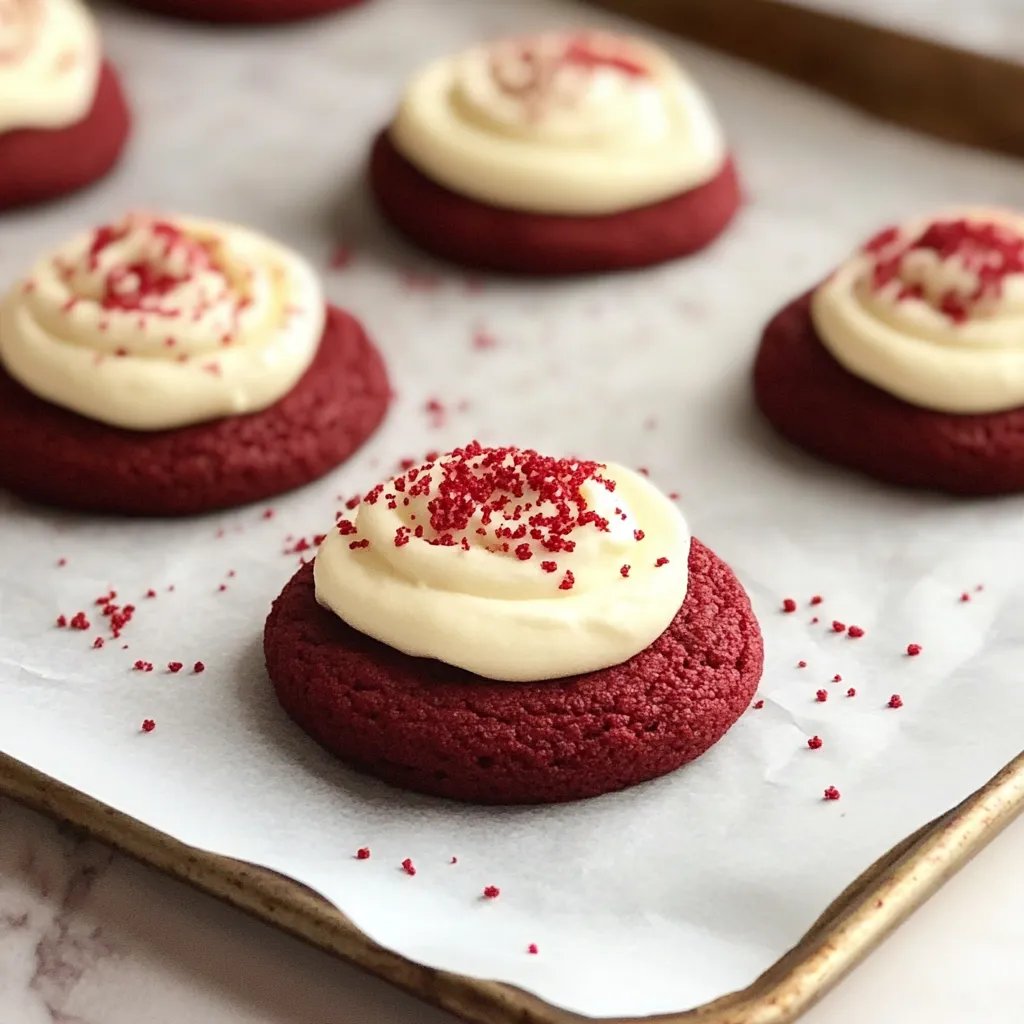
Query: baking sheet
point(992, 27)
point(723, 866)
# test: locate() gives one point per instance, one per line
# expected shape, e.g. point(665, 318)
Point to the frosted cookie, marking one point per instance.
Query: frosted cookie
point(907, 363)
point(63, 117)
point(556, 154)
point(503, 627)
point(170, 365)
point(244, 11)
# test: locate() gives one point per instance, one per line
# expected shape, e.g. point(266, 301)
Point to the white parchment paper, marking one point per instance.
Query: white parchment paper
point(652, 900)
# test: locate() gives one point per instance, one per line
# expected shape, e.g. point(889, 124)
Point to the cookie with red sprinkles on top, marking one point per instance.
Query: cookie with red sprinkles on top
point(244, 11)
point(168, 366)
point(497, 626)
point(64, 120)
point(563, 153)
point(907, 363)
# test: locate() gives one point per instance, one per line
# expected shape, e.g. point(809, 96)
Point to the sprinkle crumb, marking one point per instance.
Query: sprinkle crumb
point(789, 605)
point(856, 632)
point(817, 599)
point(268, 513)
point(363, 853)
point(61, 562)
point(198, 667)
point(838, 627)
point(913, 650)
point(673, 495)
point(815, 620)
point(408, 867)
point(964, 597)
point(151, 593)
point(758, 705)
point(492, 892)
point(979, 588)
point(148, 725)
point(801, 664)
point(831, 793)
point(814, 743)
point(174, 666)
point(532, 949)
point(222, 588)
point(895, 701)
point(851, 692)
point(822, 696)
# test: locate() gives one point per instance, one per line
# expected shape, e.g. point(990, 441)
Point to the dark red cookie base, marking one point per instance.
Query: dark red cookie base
point(818, 405)
point(484, 237)
point(52, 455)
point(37, 164)
point(243, 11)
point(425, 726)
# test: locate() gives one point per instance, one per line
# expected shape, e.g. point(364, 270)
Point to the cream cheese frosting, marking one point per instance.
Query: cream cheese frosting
point(509, 564)
point(932, 311)
point(578, 124)
point(49, 63)
point(155, 323)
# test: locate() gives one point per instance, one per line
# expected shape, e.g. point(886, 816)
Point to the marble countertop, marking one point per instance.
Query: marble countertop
point(90, 937)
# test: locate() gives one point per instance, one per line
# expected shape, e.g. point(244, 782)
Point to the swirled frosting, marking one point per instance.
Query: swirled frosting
point(932, 311)
point(155, 323)
point(49, 63)
point(577, 124)
point(510, 564)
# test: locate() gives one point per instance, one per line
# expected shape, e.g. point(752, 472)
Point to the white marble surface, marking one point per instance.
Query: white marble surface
point(89, 937)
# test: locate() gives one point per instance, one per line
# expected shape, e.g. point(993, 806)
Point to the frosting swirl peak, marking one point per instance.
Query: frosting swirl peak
point(568, 123)
point(932, 311)
point(513, 565)
point(156, 322)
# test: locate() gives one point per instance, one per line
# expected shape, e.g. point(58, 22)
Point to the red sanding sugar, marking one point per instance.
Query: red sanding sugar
point(851, 692)
point(822, 696)
point(97, 643)
point(148, 725)
point(492, 892)
point(837, 678)
point(532, 949)
point(363, 853)
point(895, 701)
point(817, 599)
point(789, 605)
point(831, 793)
point(198, 667)
point(801, 664)
point(913, 650)
point(759, 705)
point(838, 627)
point(814, 743)
point(855, 631)
point(408, 867)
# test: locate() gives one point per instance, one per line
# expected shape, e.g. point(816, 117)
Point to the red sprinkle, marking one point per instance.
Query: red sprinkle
point(198, 667)
point(532, 949)
point(482, 340)
point(895, 701)
point(148, 725)
point(814, 743)
point(222, 588)
point(801, 664)
point(61, 562)
point(660, 562)
point(759, 705)
point(143, 666)
point(79, 621)
point(62, 622)
point(98, 643)
point(789, 605)
point(822, 696)
point(624, 571)
point(408, 867)
point(268, 513)
point(851, 692)
point(815, 620)
point(492, 892)
point(174, 666)
point(364, 543)
point(838, 627)
point(150, 593)
point(965, 596)
point(913, 650)
point(549, 566)
point(454, 860)
point(831, 793)
point(568, 581)
point(837, 678)
point(856, 632)
point(817, 599)
point(363, 853)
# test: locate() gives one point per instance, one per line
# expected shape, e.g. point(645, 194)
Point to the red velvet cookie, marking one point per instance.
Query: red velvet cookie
point(40, 164)
point(426, 726)
point(818, 405)
point(484, 237)
point(244, 11)
point(53, 455)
